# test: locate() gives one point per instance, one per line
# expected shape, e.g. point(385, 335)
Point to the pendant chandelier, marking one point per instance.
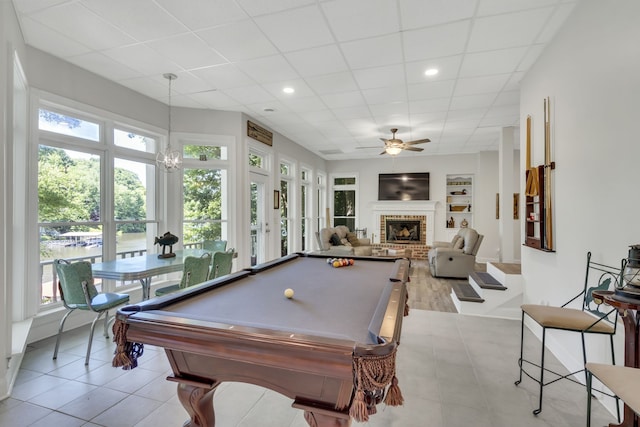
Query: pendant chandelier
point(169, 160)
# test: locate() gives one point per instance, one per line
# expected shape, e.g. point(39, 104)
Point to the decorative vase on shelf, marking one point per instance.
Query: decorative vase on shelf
point(464, 223)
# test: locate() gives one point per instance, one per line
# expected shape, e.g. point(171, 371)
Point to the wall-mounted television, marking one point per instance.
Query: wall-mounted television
point(403, 186)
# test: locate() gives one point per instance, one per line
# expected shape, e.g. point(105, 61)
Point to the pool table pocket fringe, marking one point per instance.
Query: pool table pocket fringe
point(126, 353)
point(374, 373)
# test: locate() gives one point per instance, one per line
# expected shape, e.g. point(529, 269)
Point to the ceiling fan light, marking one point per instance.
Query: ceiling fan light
point(393, 151)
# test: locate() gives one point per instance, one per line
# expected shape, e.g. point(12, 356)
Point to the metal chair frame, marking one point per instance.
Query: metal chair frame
point(88, 305)
point(607, 275)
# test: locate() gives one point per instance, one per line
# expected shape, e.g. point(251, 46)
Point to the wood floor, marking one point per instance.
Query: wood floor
point(431, 293)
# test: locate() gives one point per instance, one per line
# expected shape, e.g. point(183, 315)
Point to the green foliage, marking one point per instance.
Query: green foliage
point(202, 202)
point(69, 190)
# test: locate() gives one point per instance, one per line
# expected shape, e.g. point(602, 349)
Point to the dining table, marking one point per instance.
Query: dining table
point(142, 268)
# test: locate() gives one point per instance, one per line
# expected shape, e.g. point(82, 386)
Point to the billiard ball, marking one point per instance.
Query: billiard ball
point(288, 293)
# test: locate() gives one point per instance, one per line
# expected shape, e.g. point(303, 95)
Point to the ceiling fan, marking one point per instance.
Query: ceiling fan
point(394, 145)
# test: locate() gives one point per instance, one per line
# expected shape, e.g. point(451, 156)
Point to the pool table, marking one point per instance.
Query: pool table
point(331, 347)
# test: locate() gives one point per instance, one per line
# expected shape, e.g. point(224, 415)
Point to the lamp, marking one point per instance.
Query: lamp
point(393, 150)
point(170, 160)
point(630, 283)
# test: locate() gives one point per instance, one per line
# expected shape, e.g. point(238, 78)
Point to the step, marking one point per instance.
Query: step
point(486, 281)
point(465, 292)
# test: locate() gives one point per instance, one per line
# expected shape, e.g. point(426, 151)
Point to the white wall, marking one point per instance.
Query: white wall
point(591, 73)
point(484, 167)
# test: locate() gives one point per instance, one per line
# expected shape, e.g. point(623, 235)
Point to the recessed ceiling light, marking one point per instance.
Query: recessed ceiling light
point(268, 110)
point(288, 90)
point(431, 72)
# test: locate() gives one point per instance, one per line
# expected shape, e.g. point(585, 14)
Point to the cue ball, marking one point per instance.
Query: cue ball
point(288, 293)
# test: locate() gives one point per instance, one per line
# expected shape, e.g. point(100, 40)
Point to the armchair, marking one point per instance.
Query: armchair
point(340, 242)
point(456, 258)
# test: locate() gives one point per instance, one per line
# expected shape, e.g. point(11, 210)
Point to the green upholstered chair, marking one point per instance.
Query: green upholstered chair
point(75, 281)
point(214, 245)
point(222, 263)
point(195, 270)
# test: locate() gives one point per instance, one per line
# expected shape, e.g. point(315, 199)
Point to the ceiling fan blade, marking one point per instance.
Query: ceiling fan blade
point(412, 148)
point(384, 140)
point(367, 148)
point(417, 141)
point(384, 152)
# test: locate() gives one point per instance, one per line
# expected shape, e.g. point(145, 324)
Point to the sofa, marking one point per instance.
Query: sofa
point(340, 242)
point(457, 258)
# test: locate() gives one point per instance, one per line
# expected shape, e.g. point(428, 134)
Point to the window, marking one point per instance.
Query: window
point(345, 201)
point(286, 213)
point(321, 203)
point(305, 210)
point(69, 211)
point(205, 195)
point(79, 155)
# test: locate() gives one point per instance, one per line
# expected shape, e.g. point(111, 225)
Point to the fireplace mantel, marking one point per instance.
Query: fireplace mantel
point(422, 207)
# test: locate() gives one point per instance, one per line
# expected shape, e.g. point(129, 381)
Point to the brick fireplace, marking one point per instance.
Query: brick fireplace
point(404, 224)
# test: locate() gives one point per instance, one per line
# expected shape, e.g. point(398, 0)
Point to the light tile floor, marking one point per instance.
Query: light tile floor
point(454, 370)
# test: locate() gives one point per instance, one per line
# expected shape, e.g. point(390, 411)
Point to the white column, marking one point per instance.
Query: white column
point(506, 184)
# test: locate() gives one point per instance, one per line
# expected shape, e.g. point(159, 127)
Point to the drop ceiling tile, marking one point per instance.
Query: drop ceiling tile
point(373, 52)
point(49, 40)
point(318, 60)
point(514, 81)
point(358, 19)
point(270, 69)
point(429, 90)
point(307, 23)
point(472, 101)
point(332, 83)
point(249, 94)
point(30, 6)
point(224, 76)
point(511, 97)
point(300, 104)
point(461, 124)
point(188, 51)
point(142, 19)
point(204, 13)
point(371, 78)
point(510, 30)
point(420, 13)
point(497, 7)
point(261, 7)
point(390, 109)
point(385, 95)
point(556, 21)
point(447, 69)
point(429, 105)
point(78, 23)
point(359, 112)
point(466, 115)
point(262, 108)
point(317, 116)
point(530, 57)
point(299, 85)
point(215, 99)
point(437, 118)
point(343, 99)
point(240, 41)
point(142, 58)
point(436, 42)
point(492, 62)
point(477, 85)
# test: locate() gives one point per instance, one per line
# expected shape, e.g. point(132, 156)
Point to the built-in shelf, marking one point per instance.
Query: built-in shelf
point(459, 201)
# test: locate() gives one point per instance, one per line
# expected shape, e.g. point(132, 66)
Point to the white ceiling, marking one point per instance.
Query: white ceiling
point(357, 66)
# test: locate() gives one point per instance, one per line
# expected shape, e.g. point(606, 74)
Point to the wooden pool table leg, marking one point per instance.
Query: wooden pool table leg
point(316, 419)
point(198, 402)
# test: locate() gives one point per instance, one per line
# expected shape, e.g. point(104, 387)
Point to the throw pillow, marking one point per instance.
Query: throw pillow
point(345, 242)
point(335, 240)
point(353, 238)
